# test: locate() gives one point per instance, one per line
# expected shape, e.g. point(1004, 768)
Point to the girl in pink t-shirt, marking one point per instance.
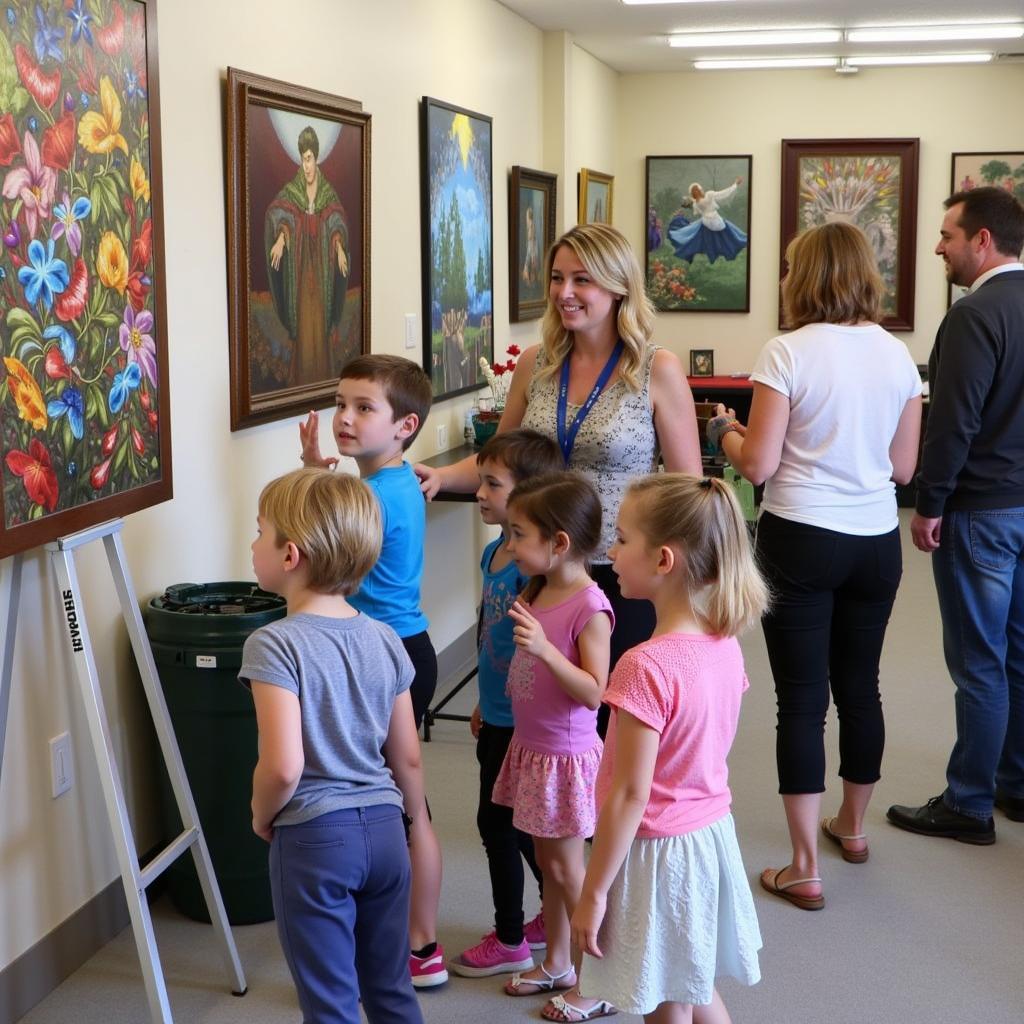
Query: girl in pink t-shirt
point(666, 906)
point(558, 673)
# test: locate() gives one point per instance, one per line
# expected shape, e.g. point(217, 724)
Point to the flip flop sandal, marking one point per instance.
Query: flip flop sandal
point(546, 984)
point(770, 883)
point(571, 1013)
point(850, 856)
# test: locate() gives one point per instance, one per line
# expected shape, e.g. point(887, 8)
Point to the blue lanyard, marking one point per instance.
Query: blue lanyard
point(567, 438)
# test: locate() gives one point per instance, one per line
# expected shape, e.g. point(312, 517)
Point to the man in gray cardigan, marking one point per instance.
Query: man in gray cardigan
point(970, 513)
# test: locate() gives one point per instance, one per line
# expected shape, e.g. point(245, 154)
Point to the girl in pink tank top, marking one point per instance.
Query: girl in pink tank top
point(563, 625)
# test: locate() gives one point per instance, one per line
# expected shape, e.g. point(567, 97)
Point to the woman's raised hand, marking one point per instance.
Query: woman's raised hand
point(309, 436)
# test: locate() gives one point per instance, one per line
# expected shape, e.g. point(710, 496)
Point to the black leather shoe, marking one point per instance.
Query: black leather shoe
point(1011, 806)
point(936, 819)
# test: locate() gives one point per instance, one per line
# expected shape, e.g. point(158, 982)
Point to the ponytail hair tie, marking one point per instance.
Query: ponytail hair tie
point(706, 483)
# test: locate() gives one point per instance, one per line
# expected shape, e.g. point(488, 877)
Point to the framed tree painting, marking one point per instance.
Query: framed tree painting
point(84, 420)
point(698, 233)
point(1002, 170)
point(531, 232)
point(868, 182)
point(457, 238)
point(595, 197)
point(298, 244)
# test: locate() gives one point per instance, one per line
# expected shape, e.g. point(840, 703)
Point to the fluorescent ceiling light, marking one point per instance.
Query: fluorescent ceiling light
point(926, 33)
point(919, 58)
point(765, 62)
point(651, 2)
point(768, 38)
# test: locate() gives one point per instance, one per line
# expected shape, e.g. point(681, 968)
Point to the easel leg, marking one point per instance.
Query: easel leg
point(10, 598)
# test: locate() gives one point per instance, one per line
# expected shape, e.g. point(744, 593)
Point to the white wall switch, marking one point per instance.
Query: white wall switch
point(62, 768)
point(410, 330)
point(442, 436)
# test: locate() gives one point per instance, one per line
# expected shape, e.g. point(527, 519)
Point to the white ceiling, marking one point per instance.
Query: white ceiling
point(634, 38)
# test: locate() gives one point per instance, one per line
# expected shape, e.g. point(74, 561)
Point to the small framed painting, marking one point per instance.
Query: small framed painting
point(531, 232)
point(595, 197)
point(702, 362)
point(1002, 170)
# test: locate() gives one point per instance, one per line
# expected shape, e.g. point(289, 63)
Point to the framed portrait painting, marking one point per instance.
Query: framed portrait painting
point(595, 197)
point(1001, 170)
point(702, 362)
point(698, 233)
point(298, 244)
point(531, 232)
point(868, 182)
point(84, 420)
point(458, 252)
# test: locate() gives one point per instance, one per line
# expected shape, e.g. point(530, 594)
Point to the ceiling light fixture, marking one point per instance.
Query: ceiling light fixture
point(639, 3)
point(933, 33)
point(882, 59)
point(728, 64)
point(782, 37)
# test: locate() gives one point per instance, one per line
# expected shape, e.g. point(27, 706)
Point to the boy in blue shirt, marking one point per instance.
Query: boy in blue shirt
point(382, 402)
point(338, 753)
point(504, 461)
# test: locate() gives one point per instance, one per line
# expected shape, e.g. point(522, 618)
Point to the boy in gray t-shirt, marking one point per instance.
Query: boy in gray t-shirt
point(338, 757)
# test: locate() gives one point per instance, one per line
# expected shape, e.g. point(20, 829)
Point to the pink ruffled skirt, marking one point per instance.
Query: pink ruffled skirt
point(551, 795)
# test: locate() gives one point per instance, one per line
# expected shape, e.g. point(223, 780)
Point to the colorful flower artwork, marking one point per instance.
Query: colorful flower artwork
point(81, 392)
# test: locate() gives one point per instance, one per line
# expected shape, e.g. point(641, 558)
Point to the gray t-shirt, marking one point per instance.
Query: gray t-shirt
point(347, 674)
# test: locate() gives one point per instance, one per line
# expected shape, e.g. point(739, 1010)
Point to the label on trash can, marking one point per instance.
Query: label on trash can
point(206, 661)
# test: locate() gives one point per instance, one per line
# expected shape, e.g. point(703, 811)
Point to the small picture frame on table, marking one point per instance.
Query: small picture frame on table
point(702, 362)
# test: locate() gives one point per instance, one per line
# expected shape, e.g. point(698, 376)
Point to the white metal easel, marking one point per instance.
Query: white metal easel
point(134, 877)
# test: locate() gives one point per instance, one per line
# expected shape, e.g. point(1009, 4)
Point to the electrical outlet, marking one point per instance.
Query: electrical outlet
point(62, 768)
point(410, 330)
point(442, 436)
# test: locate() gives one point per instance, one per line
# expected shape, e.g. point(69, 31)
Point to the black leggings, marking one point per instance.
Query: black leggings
point(832, 594)
point(506, 847)
point(424, 662)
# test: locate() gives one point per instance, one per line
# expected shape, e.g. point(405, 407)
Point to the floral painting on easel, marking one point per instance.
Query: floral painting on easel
point(83, 406)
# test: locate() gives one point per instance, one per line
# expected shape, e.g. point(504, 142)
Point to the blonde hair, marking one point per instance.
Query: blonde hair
point(609, 259)
point(703, 518)
point(833, 277)
point(332, 518)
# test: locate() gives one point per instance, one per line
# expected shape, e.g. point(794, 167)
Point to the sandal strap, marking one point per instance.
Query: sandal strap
point(550, 976)
point(795, 881)
point(829, 822)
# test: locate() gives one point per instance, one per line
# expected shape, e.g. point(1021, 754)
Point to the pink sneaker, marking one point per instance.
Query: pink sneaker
point(428, 971)
point(534, 934)
point(489, 956)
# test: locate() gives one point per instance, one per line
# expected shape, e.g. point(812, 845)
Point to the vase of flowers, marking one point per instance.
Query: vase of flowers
point(499, 379)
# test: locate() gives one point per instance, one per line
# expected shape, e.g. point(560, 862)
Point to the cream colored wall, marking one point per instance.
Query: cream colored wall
point(949, 109)
point(56, 854)
point(591, 125)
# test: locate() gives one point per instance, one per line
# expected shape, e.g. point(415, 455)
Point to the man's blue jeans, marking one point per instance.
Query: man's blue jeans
point(979, 577)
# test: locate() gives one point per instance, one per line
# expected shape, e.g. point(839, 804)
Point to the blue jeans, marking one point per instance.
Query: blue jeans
point(979, 578)
point(340, 885)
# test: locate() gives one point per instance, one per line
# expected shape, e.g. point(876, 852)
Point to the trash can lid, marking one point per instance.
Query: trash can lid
point(211, 613)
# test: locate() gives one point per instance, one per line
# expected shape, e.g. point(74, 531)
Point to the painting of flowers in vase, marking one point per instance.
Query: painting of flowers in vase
point(84, 428)
point(871, 183)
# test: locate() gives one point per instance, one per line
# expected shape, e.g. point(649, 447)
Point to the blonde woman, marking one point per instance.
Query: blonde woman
point(614, 401)
point(835, 419)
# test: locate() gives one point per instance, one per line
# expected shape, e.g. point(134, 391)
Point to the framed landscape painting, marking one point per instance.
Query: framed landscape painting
point(698, 233)
point(457, 238)
point(298, 245)
point(531, 232)
point(84, 421)
point(868, 182)
point(595, 197)
point(1002, 170)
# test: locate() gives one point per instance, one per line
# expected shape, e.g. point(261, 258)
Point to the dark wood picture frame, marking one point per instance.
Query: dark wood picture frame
point(702, 362)
point(282, 361)
point(85, 427)
point(585, 179)
point(869, 198)
point(529, 241)
point(458, 286)
point(674, 283)
point(982, 161)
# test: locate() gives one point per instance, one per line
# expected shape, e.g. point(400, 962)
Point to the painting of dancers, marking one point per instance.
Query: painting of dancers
point(698, 233)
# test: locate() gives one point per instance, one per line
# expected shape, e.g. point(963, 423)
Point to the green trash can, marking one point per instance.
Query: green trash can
point(197, 632)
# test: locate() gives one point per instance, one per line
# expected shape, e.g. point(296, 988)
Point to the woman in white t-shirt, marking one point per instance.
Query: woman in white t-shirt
point(835, 419)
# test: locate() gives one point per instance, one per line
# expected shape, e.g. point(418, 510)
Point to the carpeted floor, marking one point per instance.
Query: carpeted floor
point(928, 931)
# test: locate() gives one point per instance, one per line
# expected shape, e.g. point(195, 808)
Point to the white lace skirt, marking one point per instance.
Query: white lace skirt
point(680, 914)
